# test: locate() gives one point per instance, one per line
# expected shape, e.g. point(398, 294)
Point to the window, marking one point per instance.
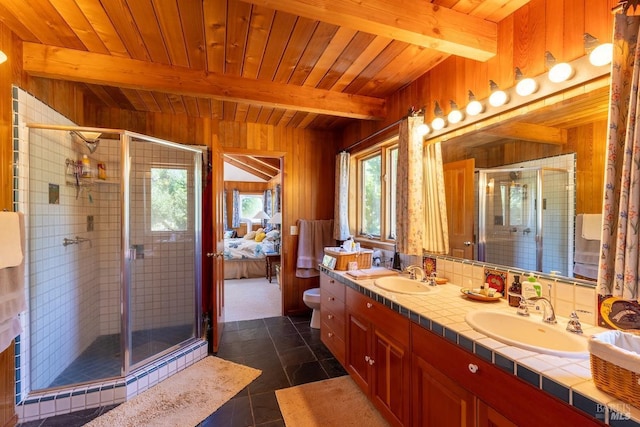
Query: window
point(169, 199)
point(376, 200)
point(250, 204)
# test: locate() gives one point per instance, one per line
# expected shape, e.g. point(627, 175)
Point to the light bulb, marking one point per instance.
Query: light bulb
point(526, 87)
point(455, 116)
point(474, 108)
point(560, 72)
point(3, 57)
point(601, 55)
point(423, 129)
point(438, 123)
point(498, 98)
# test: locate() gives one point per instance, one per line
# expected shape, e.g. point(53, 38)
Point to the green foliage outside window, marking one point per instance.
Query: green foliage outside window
point(168, 199)
point(372, 191)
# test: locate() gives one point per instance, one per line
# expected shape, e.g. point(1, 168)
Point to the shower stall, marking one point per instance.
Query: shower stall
point(525, 219)
point(114, 253)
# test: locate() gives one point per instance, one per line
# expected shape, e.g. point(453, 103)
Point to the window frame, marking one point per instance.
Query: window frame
point(384, 150)
point(251, 194)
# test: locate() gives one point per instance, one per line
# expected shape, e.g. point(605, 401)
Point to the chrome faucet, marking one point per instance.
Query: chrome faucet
point(548, 313)
point(412, 272)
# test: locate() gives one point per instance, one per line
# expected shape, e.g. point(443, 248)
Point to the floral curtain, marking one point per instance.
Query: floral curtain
point(618, 272)
point(409, 190)
point(266, 202)
point(341, 209)
point(276, 197)
point(235, 220)
point(436, 226)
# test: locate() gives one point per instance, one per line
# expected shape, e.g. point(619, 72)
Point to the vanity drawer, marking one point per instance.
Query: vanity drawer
point(330, 302)
point(384, 318)
point(334, 322)
point(331, 285)
point(334, 343)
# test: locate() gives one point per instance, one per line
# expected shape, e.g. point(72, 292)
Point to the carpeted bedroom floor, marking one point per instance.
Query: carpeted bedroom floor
point(249, 299)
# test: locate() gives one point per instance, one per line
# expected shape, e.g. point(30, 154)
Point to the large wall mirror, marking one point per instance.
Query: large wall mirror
point(535, 175)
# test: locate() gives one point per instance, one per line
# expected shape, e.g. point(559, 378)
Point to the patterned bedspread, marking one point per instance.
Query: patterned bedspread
point(246, 249)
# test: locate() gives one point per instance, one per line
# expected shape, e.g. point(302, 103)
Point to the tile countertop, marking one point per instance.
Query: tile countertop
point(568, 379)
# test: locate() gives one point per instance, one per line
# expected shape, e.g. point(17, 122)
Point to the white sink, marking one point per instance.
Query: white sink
point(402, 285)
point(529, 333)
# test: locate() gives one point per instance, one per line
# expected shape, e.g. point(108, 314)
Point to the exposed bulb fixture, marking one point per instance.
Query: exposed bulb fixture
point(3, 57)
point(423, 129)
point(474, 107)
point(438, 122)
point(498, 97)
point(599, 53)
point(558, 71)
point(455, 115)
point(526, 85)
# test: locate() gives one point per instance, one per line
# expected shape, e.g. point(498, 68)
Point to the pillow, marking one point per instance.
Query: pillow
point(250, 235)
point(260, 230)
point(272, 235)
point(260, 237)
point(229, 234)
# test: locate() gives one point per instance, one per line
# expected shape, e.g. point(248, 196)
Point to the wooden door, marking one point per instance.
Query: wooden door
point(437, 401)
point(390, 377)
point(217, 276)
point(458, 181)
point(358, 351)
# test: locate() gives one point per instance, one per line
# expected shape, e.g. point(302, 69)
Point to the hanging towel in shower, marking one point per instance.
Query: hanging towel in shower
point(591, 226)
point(10, 245)
point(12, 294)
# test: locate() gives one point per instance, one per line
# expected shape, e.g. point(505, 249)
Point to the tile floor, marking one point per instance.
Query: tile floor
point(287, 351)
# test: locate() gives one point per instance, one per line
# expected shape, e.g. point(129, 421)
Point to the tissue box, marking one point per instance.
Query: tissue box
point(343, 258)
point(615, 364)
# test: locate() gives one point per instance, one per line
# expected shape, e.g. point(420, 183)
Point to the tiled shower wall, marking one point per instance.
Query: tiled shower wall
point(516, 248)
point(162, 291)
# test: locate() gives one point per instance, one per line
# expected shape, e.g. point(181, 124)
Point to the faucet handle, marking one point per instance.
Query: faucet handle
point(523, 308)
point(574, 323)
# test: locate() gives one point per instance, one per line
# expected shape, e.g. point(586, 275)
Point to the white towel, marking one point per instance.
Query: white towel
point(10, 246)
point(591, 226)
point(12, 295)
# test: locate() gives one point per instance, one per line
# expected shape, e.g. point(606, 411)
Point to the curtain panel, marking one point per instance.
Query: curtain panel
point(235, 214)
point(341, 210)
point(436, 226)
point(618, 271)
point(409, 190)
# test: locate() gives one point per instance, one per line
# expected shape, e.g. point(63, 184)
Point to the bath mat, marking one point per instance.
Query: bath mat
point(334, 402)
point(185, 399)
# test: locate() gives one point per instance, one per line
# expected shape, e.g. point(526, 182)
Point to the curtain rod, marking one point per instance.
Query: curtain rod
point(373, 135)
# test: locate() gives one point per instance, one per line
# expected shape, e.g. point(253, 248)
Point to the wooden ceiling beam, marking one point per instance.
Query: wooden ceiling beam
point(243, 163)
point(529, 132)
point(423, 24)
point(68, 64)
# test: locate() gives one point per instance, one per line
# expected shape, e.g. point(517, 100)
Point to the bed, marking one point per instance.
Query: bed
point(245, 258)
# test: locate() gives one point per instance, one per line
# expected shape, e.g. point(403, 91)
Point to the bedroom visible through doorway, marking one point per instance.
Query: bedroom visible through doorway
point(252, 239)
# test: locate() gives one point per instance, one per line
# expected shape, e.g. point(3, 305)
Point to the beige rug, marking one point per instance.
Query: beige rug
point(334, 402)
point(185, 399)
point(248, 299)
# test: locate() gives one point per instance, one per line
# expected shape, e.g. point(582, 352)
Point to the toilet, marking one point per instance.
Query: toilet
point(311, 298)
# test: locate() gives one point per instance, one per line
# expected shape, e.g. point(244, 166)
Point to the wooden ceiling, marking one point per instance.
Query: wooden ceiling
point(297, 63)
point(265, 168)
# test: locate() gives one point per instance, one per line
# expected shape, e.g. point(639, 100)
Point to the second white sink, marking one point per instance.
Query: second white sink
point(402, 285)
point(529, 333)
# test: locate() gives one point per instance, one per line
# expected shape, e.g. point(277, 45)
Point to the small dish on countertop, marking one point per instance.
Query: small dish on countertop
point(476, 295)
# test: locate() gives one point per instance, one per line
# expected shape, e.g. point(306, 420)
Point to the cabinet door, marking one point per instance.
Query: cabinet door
point(391, 377)
point(489, 417)
point(358, 351)
point(437, 401)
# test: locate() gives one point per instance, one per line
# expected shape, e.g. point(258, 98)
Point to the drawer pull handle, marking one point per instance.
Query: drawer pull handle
point(330, 316)
point(369, 305)
point(330, 334)
point(473, 368)
point(331, 299)
point(332, 281)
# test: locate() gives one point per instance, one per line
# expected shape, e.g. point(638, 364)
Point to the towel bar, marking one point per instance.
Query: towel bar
point(77, 240)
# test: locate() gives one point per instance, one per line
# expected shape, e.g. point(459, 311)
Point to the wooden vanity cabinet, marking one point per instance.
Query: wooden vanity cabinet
point(378, 357)
point(452, 387)
point(332, 313)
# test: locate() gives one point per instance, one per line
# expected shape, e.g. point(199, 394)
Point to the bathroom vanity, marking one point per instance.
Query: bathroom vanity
point(419, 372)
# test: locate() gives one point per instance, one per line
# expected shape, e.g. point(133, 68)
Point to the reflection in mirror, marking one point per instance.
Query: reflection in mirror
point(574, 126)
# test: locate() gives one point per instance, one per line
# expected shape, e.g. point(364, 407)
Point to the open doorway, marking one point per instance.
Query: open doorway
point(252, 243)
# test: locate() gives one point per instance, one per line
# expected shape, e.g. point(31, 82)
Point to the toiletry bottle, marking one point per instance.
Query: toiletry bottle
point(531, 288)
point(515, 289)
point(86, 166)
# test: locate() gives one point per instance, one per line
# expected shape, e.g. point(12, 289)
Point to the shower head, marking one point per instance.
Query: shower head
point(90, 139)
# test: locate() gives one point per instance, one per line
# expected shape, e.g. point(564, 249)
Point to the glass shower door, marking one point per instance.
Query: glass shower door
point(162, 247)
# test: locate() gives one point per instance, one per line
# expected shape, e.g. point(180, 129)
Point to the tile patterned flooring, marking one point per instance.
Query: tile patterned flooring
point(287, 351)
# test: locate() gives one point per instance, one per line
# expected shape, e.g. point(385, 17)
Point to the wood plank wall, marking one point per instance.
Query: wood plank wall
point(557, 26)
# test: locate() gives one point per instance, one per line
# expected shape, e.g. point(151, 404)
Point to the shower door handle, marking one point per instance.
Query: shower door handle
point(215, 254)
